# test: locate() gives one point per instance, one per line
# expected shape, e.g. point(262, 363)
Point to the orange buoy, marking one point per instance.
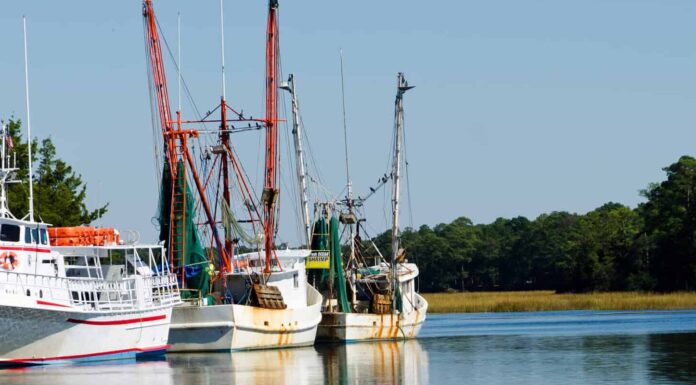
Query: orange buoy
point(9, 260)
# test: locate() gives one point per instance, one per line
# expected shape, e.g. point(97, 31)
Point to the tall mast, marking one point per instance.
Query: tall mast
point(224, 133)
point(402, 87)
point(270, 191)
point(171, 136)
point(299, 157)
point(26, 90)
point(345, 140)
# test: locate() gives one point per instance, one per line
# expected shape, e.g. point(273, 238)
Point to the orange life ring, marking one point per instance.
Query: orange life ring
point(9, 260)
point(241, 263)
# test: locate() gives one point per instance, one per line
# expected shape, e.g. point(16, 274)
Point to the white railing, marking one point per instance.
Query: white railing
point(132, 293)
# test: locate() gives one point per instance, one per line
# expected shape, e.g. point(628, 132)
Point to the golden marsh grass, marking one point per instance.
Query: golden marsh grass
point(508, 301)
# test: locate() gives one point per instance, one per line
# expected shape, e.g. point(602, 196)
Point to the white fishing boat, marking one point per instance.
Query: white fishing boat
point(85, 302)
point(253, 323)
point(366, 321)
point(383, 304)
point(234, 299)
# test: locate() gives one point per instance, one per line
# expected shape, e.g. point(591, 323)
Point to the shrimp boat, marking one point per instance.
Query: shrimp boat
point(93, 299)
point(383, 304)
point(239, 290)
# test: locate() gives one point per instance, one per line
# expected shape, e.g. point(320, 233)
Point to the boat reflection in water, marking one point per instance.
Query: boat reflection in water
point(393, 362)
point(387, 362)
point(404, 362)
point(277, 366)
point(117, 372)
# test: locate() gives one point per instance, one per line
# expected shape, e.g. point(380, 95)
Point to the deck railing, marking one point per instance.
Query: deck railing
point(132, 293)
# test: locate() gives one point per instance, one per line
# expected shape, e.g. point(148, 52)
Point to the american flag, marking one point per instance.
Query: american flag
point(8, 137)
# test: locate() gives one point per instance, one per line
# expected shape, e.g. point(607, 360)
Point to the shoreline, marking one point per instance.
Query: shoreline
point(530, 301)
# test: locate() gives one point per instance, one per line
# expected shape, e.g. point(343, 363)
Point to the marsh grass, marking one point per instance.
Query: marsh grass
point(480, 302)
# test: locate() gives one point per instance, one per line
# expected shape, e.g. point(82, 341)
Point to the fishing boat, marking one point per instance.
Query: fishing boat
point(383, 303)
point(240, 290)
point(93, 299)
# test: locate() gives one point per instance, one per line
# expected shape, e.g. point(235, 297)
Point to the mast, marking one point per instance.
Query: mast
point(349, 218)
point(175, 139)
point(299, 157)
point(26, 90)
point(402, 87)
point(224, 133)
point(270, 191)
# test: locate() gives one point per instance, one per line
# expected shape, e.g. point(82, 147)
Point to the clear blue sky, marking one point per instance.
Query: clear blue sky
point(521, 107)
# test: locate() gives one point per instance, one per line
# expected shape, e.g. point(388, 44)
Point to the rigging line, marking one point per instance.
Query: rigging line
point(189, 95)
point(310, 150)
point(186, 89)
point(295, 192)
point(408, 179)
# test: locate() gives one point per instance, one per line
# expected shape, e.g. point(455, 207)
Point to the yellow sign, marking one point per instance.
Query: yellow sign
point(319, 259)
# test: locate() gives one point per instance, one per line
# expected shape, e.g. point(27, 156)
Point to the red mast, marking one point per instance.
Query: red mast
point(270, 191)
point(175, 141)
point(160, 82)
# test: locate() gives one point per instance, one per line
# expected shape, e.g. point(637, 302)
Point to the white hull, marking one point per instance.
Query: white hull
point(47, 334)
point(240, 327)
point(373, 327)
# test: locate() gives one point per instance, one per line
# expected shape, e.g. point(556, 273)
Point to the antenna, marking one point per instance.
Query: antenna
point(345, 135)
point(178, 52)
point(222, 45)
point(26, 90)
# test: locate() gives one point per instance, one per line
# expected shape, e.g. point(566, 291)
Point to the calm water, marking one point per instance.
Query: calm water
point(515, 348)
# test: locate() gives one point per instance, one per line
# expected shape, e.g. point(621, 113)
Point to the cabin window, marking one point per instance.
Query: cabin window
point(35, 235)
point(296, 280)
point(44, 237)
point(9, 233)
point(27, 235)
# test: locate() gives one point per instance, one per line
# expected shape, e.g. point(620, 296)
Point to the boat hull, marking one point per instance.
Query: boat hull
point(372, 327)
point(240, 327)
point(40, 335)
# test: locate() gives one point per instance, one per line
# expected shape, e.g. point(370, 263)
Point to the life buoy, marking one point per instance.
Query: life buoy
point(241, 263)
point(9, 260)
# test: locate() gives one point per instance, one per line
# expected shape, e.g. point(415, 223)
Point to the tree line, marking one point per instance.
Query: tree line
point(614, 247)
point(59, 192)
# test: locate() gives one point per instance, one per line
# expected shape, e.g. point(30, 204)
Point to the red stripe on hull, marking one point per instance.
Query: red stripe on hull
point(17, 248)
point(39, 302)
point(78, 356)
point(118, 322)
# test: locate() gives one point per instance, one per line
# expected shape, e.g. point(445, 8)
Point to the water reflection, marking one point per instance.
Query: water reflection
point(103, 373)
point(582, 348)
point(282, 366)
point(673, 358)
point(376, 363)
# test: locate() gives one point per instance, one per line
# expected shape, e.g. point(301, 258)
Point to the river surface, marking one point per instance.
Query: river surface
point(577, 347)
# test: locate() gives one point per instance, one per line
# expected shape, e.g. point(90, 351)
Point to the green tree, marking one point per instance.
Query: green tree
point(670, 224)
point(59, 192)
